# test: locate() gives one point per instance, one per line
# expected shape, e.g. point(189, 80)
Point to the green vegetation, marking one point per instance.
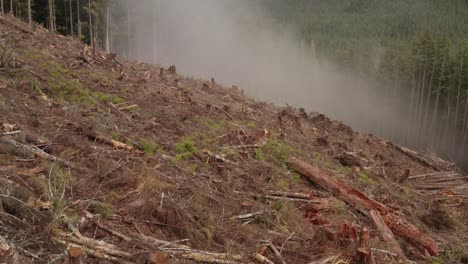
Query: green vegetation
point(148, 146)
point(115, 135)
point(364, 178)
point(186, 149)
point(275, 151)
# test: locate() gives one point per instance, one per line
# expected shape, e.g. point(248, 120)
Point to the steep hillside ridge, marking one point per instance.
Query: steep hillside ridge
point(105, 160)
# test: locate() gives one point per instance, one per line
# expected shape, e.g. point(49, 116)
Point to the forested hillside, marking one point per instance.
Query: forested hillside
point(417, 49)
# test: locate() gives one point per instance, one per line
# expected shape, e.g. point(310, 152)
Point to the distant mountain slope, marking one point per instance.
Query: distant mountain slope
point(334, 23)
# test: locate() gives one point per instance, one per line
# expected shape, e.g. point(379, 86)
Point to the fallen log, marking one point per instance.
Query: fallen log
point(252, 215)
point(262, 259)
point(337, 187)
point(417, 157)
point(33, 150)
point(120, 112)
point(387, 234)
point(213, 258)
point(101, 138)
point(98, 245)
point(360, 201)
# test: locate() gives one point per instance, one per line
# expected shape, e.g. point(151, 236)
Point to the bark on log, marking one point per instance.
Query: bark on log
point(411, 234)
point(37, 151)
point(336, 187)
point(387, 234)
point(360, 201)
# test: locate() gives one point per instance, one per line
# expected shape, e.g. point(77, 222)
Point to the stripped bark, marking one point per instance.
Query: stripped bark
point(360, 201)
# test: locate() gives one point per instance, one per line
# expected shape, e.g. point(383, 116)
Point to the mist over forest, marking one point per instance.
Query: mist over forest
point(393, 68)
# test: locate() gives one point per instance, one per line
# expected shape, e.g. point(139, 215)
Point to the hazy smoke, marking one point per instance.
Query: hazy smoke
point(235, 42)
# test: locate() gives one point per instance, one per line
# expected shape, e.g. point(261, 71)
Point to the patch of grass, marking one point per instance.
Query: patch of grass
point(283, 184)
point(341, 210)
point(296, 177)
point(104, 98)
point(115, 135)
point(276, 152)
point(117, 100)
point(364, 178)
point(148, 146)
point(259, 155)
point(193, 168)
point(186, 149)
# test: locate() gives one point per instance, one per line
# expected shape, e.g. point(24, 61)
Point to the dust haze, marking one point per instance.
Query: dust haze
point(235, 42)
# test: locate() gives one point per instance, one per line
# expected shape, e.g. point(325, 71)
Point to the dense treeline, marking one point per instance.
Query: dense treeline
point(416, 50)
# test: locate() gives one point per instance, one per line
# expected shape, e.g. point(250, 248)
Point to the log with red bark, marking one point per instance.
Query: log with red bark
point(387, 234)
point(360, 201)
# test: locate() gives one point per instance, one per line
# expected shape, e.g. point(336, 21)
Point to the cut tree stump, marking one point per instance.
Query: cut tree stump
point(364, 252)
point(360, 201)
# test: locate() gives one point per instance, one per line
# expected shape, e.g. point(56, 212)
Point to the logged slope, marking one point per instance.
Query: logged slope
point(122, 157)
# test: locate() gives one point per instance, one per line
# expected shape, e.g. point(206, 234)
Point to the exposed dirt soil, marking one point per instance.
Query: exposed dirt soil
point(193, 155)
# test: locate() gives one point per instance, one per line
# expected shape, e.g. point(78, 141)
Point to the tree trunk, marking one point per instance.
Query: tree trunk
point(436, 106)
point(78, 19)
point(107, 27)
point(51, 28)
point(91, 35)
point(3, 7)
point(72, 31)
point(29, 14)
point(421, 109)
point(55, 16)
point(457, 106)
point(11, 7)
point(65, 14)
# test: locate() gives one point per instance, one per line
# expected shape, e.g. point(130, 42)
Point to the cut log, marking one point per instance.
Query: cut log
point(262, 259)
point(417, 157)
point(336, 187)
point(33, 150)
point(387, 234)
point(116, 144)
point(360, 201)
point(113, 232)
point(411, 234)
